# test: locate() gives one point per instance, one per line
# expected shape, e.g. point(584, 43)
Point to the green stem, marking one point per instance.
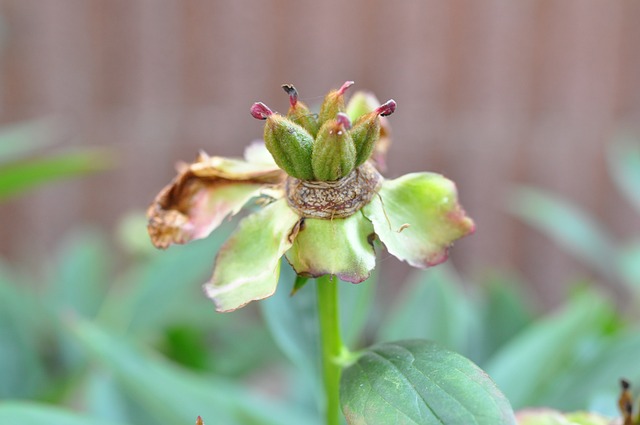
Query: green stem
point(332, 347)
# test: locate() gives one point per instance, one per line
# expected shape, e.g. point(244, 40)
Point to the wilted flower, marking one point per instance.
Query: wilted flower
point(323, 201)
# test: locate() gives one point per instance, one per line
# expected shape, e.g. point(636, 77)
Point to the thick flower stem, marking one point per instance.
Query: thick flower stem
point(332, 347)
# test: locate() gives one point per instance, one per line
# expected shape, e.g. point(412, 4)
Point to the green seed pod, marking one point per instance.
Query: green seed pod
point(334, 153)
point(366, 131)
point(333, 103)
point(290, 145)
point(299, 113)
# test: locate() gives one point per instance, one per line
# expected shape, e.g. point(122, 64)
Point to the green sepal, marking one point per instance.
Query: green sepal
point(298, 284)
point(334, 153)
point(339, 247)
point(248, 264)
point(417, 217)
point(365, 133)
point(290, 145)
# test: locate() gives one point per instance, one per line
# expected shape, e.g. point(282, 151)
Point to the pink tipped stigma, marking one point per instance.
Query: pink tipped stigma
point(345, 86)
point(343, 120)
point(292, 92)
point(260, 111)
point(387, 108)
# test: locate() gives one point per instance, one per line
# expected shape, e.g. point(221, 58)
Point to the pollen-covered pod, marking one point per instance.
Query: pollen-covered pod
point(299, 113)
point(290, 144)
point(334, 154)
point(366, 131)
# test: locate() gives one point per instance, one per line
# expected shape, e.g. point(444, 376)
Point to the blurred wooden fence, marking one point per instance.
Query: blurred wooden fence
point(490, 93)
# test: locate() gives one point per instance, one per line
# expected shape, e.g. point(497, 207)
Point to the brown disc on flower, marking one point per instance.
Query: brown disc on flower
point(334, 199)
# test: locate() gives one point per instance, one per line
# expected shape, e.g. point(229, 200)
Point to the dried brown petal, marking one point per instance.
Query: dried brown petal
point(203, 194)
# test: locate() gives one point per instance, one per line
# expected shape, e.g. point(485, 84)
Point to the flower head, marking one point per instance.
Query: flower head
point(323, 201)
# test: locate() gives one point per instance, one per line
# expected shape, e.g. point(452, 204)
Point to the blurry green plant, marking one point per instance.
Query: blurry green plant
point(21, 170)
point(579, 232)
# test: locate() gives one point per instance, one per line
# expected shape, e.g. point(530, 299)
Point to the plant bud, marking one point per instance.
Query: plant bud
point(366, 131)
point(334, 153)
point(333, 103)
point(289, 144)
point(361, 103)
point(299, 113)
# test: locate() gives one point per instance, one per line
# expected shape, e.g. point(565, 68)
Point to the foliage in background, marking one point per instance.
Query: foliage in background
point(21, 170)
point(579, 232)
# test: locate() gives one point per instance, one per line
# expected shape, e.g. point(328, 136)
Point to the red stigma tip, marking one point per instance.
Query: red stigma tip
point(260, 111)
point(343, 120)
point(292, 92)
point(345, 86)
point(387, 108)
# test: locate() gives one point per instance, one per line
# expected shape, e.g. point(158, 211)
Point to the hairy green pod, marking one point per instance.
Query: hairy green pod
point(365, 133)
point(299, 113)
point(333, 104)
point(290, 145)
point(334, 154)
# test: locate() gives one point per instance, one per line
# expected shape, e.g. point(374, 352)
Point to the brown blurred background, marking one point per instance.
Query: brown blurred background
point(490, 93)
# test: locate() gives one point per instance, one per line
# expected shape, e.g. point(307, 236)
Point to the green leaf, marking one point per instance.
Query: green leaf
point(432, 307)
point(172, 394)
point(418, 382)
point(529, 366)
point(624, 166)
point(21, 318)
point(29, 413)
point(18, 177)
point(567, 225)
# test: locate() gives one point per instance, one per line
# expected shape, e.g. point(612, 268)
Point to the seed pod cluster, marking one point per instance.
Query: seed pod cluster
point(322, 147)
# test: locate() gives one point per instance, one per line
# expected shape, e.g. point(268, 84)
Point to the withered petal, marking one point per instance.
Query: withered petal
point(203, 194)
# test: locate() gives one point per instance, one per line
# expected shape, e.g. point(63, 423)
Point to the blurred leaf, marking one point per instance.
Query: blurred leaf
point(624, 165)
point(103, 398)
point(164, 286)
point(21, 176)
point(431, 307)
point(567, 225)
point(418, 382)
point(293, 324)
point(24, 138)
point(356, 302)
point(174, 395)
point(82, 277)
point(595, 381)
point(28, 413)
point(629, 264)
point(529, 366)
point(21, 368)
point(504, 311)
